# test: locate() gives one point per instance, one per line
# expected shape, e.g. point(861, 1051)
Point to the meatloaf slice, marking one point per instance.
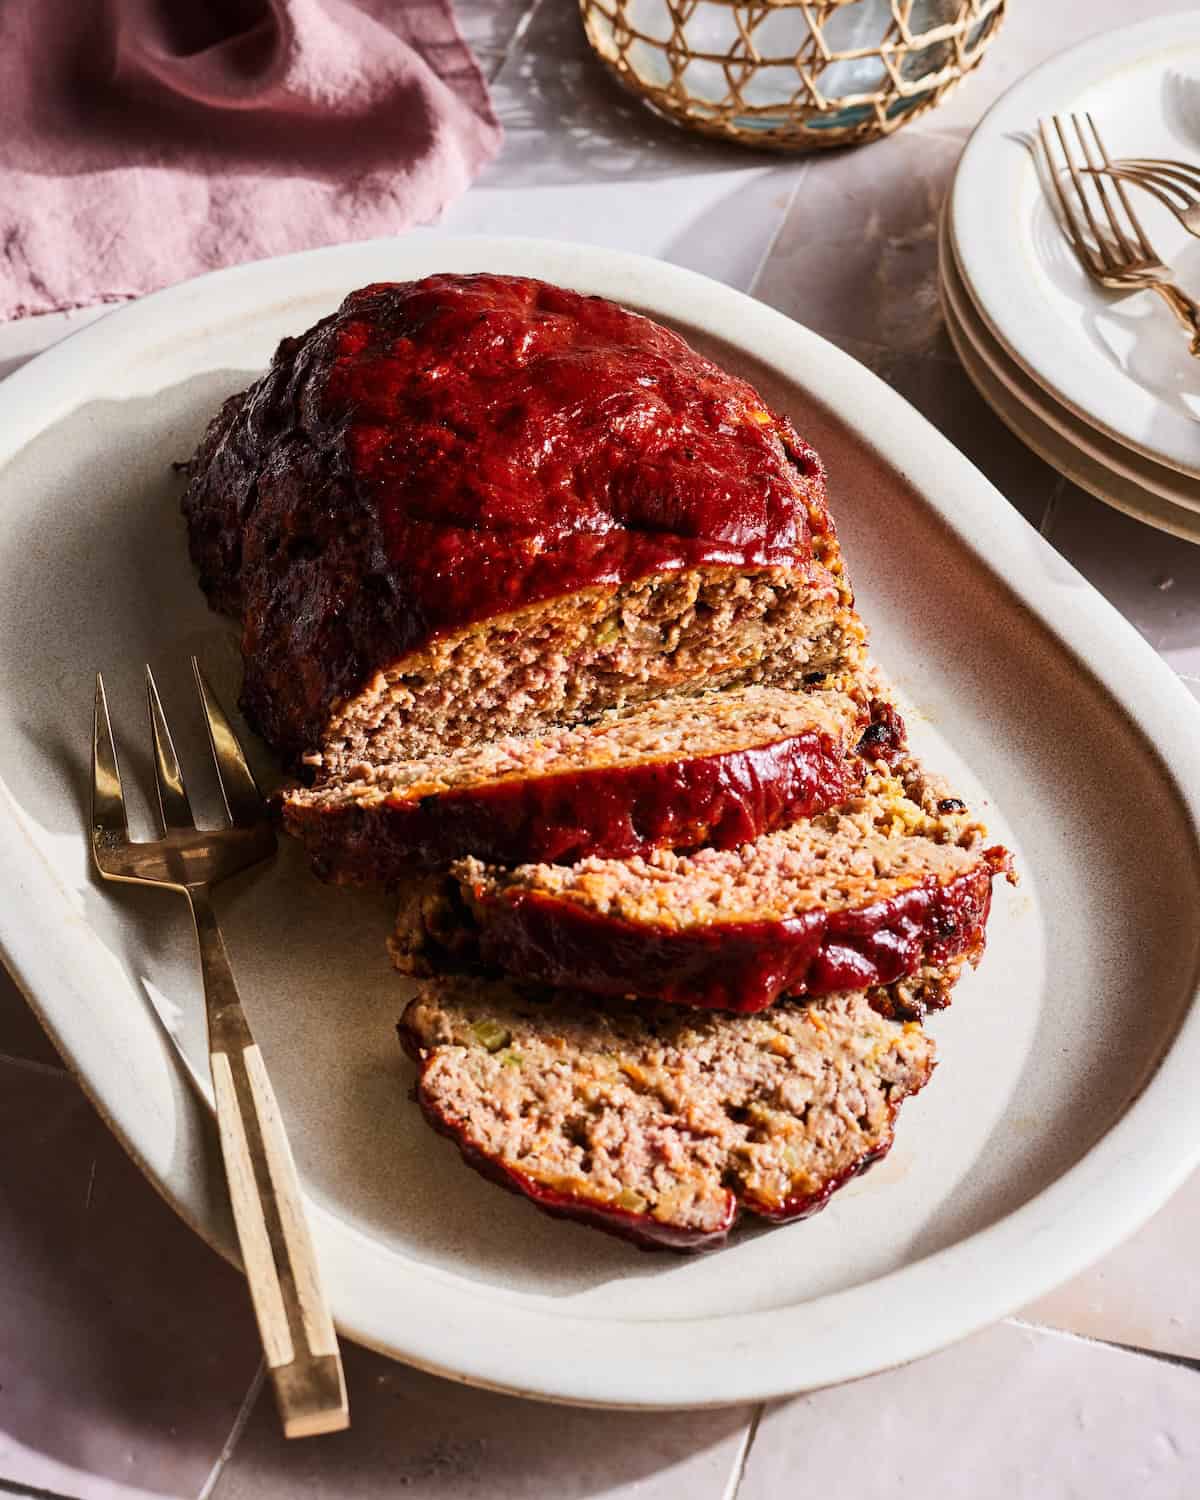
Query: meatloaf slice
point(657, 1124)
point(717, 769)
point(472, 505)
point(885, 889)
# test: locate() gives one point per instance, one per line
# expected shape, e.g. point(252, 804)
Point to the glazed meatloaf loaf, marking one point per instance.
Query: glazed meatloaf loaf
point(892, 886)
point(717, 769)
point(658, 1124)
point(469, 506)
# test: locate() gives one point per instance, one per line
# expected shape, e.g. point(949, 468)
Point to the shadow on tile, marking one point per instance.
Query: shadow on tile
point(129, 1345)
point(419, 1435)
point(21, 1034)
point(600, 133)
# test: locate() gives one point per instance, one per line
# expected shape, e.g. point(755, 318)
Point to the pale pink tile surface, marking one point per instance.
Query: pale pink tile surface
point(1012, 1414)
point(1145, 1294)
point(127, 1344)
point(416, 1435)
point(856, 255)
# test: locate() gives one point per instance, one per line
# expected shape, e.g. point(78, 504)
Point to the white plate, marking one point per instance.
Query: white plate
point(1168, 484)
point(1065, 1109)
point(1120, 362)
point(1083, 455)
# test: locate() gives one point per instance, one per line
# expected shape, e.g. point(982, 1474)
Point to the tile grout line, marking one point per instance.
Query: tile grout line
point(1046, 525)
point(1183, 1360)
point(738, 1469)
point(30, 1492)
point(235, 1432)
point(769, 250)
point(53, 1070)
point(524, 22)
point(959, 133)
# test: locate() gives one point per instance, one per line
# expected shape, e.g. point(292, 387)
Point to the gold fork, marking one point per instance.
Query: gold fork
point(293, 1318)
point(1122, 259)
point(1175, 184)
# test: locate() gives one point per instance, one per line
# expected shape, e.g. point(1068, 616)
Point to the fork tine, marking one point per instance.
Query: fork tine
point(1071, 223)
point(1170, 173)
point(243, 801)
point(109, 824)
point(1106, 258)
point(1146, 247)
point(1166, 182)
point(175, 811)
point(1148, 183)
point(1101, 184)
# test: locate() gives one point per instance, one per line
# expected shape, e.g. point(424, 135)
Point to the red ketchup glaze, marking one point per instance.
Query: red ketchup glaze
point(517, 441)
point(723, 800)
point(641, 1229)
point(735, 966)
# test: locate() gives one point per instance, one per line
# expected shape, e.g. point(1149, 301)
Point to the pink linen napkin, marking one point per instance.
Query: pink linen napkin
point(144, 141)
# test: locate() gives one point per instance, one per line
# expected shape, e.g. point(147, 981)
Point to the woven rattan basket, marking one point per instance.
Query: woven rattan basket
point(791, 75)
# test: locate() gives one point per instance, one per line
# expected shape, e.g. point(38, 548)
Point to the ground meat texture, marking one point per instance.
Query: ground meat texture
point(885, 889)
point(474, 505)
point(435, 935)
point(656, 1124)
point(717, 769)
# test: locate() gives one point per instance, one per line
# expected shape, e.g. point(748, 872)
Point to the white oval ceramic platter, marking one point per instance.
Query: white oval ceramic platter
point(1064, 1111)
point(1120, 362)
point(1118, 476)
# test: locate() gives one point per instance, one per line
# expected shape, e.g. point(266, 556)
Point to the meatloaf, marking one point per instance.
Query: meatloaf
point(469, 506)
point(716, 769)
point(658, 1124)
point(889, 887)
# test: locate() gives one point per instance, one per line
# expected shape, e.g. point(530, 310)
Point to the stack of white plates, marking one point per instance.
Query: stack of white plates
point(1100, 384)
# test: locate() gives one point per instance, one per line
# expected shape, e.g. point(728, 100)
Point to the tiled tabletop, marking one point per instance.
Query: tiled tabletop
point(128, 1363)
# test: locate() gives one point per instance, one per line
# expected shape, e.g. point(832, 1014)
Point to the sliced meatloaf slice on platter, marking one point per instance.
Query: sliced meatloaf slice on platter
point(893, 886)
point(717, 769)
point(655, 1123)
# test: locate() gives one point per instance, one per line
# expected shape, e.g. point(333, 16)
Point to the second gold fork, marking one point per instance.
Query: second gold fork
point(1122, 258)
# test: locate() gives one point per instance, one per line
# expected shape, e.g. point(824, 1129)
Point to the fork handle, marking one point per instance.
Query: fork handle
point(1185, 308)
point(293, 1317)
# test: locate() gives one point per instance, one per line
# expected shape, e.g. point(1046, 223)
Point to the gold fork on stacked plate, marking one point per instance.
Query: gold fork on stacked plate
point(1116, 254)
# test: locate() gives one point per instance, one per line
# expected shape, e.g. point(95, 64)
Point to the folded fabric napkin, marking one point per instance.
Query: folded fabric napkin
point(143, 141)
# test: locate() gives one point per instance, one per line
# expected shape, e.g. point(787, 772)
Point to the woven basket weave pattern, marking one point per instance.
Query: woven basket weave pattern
point(791, 74)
